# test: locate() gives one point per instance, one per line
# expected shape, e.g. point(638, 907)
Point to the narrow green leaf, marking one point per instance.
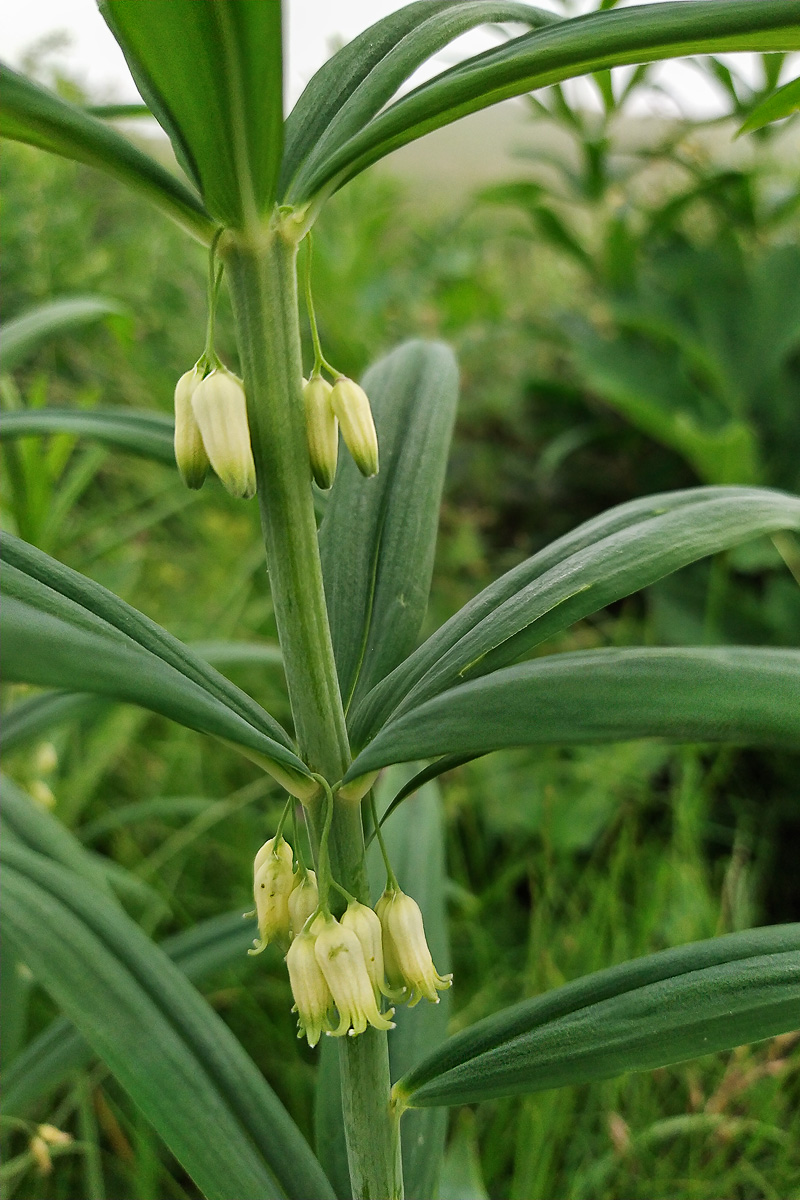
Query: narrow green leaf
point(211, 74)
point(612, 556)
point(378, 537)
point(149, 434)
point(167, 1048)
point(59, 1050)
point(29, 113)
point(643, 33)
point(34, 717)
point(369, 71)
point(736, 694)
point(22, 335)
point(643, 1014)
point(782, 103)
point(63, 630)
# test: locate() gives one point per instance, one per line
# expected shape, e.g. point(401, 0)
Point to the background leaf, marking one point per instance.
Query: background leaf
point(145, 433)
point(167, 1048)
point(29, 113)
point(782, 103)
point(63, 630)
point(618, 553)
point(643, 1014)
point(740, 694)
point(21, 335)
point(643, 33)
point(212, 76)
point(378, 537)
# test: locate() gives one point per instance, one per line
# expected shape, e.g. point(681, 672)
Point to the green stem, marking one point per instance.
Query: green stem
point(262, 275)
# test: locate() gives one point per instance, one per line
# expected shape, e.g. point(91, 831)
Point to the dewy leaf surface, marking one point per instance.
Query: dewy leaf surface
point(378, 537)
point(608, 558)
point(740, 694)
point(29, 113)
point(642, 33)
point(643, 1014)
point(149, 434)
point(211, 74)
point(63, 630)
point(166, 1046)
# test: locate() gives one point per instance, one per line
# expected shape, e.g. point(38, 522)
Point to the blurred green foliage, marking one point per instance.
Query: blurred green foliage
point(632, 328)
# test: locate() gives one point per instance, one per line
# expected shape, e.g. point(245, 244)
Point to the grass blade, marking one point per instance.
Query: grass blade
point(148, 434)
point(22, 334)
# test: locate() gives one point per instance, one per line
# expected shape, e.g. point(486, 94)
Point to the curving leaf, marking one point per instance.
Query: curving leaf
point(168, 1049)
point(29, 113)
point(364, 75)
point(736, 694)
point(378, 537)
point(33, 717)
point(145, 433)
point(643, 1014)
point(63, 630)
point(643, 33)
point(211, 74)
point(20, 336)
point(782, 103)
point(611, 556)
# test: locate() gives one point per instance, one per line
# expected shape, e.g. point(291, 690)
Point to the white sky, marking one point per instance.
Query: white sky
point(95, 60)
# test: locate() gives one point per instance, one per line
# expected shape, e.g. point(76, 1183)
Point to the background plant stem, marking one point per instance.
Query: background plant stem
point(263, 281)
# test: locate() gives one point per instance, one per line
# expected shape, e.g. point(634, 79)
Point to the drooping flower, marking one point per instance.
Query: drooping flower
point(312, 996)
point(407, 959)
point(322, 430)
point(220, 409)
point(303, 900)
point(190, 454)
point(351, 405)
point(341, 960)
point(273, 881)
point(367, 927)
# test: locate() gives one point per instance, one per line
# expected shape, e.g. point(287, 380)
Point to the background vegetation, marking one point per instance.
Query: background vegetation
point(627, 320)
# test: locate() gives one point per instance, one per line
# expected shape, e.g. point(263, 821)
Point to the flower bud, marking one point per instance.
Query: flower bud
point(366, 926)
point(220, 409)
point(312, 996)
point(190, 454)
point(351, 405)
point(272, 884)
point(303, 901)
point(322, 430)
point(341, 959)
point(406, 953)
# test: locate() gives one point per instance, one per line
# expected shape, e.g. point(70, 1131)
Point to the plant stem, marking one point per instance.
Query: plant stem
point(262, 275)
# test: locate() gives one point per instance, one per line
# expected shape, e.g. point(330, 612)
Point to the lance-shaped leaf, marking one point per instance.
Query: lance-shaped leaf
point(211, 74)
point(168, 1049)
point(741, 694)
point(782, 103)
point(36, 716)
point(643, 33)
point(149, 434)
point(643, 1014)
point(21, 336)
point(379, 535)
point(61, 630)
point(353, 85)
point(29, 113)
point(608, 558)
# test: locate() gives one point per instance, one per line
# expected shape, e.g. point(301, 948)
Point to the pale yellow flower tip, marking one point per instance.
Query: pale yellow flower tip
point(303, 900)
point(341, 960)
point(351, 405)
point(190, 454)
point(322, 430)
point(220, 409)
point(312, 996)
point(273, 881)
point(407, 958)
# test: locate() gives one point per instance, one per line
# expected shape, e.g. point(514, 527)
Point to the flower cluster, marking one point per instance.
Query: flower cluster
point(328, 408)
point(211, 430)
point(340, 970)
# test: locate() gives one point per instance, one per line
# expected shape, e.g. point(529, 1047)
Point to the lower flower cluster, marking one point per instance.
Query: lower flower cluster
point(341, 970)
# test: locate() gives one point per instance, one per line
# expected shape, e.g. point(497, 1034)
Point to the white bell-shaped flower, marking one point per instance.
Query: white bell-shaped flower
point(322, 429)
point(303, 900)
point(407, 959)
point(341, 960)
point(190, 454)
point(312, 996)
point(273, 881)
point(220, 409)
point(351, 405)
